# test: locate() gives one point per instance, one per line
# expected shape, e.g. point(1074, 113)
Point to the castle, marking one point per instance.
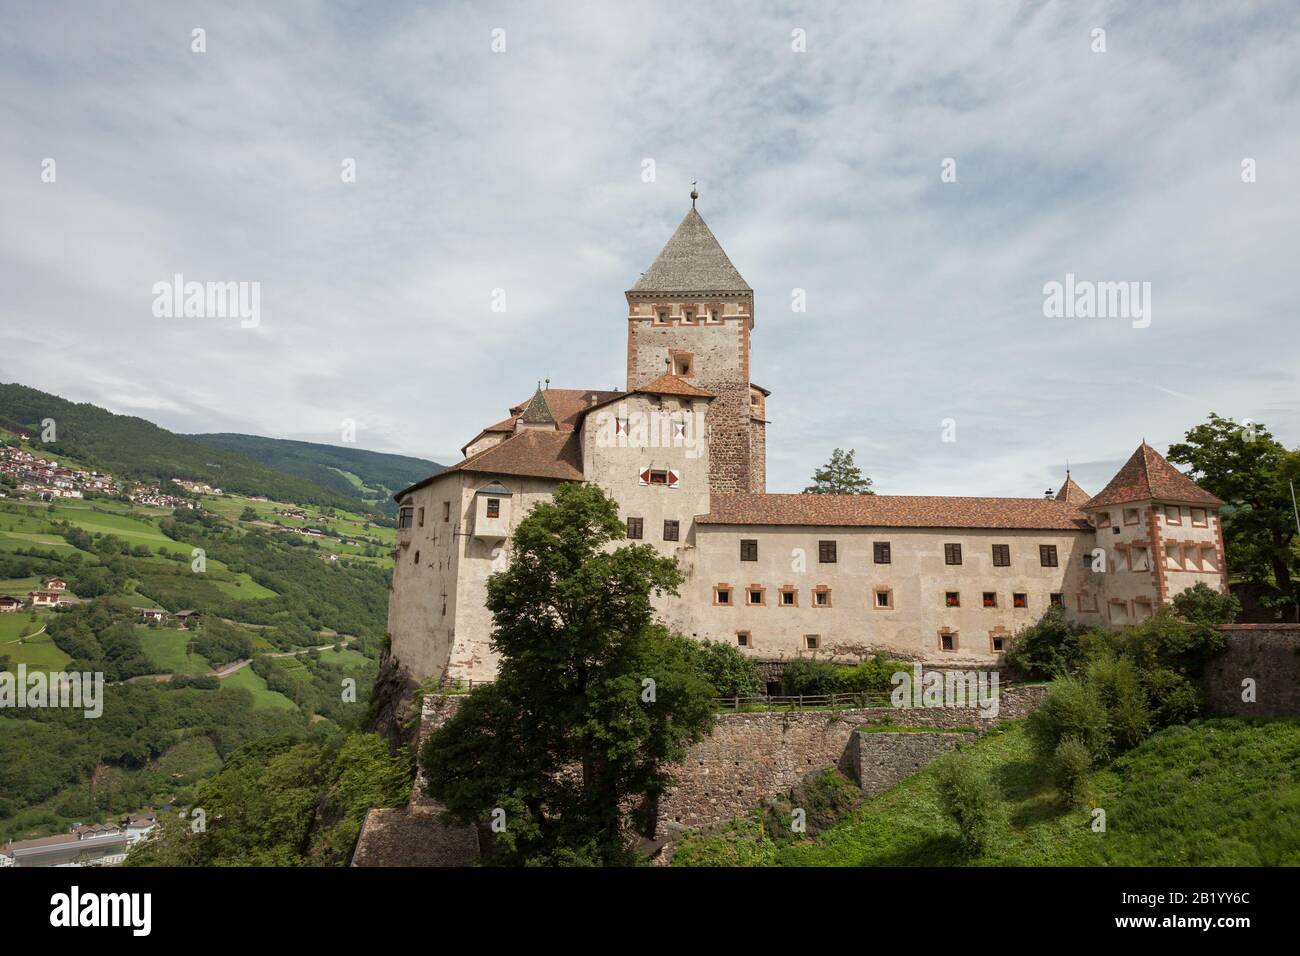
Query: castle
point(937, 579)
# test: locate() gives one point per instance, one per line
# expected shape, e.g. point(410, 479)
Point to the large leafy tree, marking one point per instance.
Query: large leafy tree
point(592, 702)
point(840, 476)
point(1251, 471)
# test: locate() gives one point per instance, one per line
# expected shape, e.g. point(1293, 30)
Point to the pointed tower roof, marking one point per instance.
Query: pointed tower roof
point(537, 411)
point(692, 261)
point(1071, 492)
point(1147, 475)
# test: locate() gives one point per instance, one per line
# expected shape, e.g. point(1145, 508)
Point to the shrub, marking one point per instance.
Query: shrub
point(1072, 708)
point(731, 673)
point(802, 676)
point(1202, 604)
point(970, 799)
point(825, 799)
point(871, 675)
point(1070, 766)
point(1050, 648)
point(1119, 685)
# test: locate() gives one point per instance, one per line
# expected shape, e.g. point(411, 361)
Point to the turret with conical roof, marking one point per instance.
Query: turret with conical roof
point(690, 315)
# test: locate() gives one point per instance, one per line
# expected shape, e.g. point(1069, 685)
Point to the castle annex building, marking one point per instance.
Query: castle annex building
point(683, 451)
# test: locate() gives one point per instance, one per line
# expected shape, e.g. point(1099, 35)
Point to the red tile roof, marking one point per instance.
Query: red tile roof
point(531, 453)
point(1147, 475)
point(896, 511)
point(1072, 493)
point(566, 405)
point(670, 384)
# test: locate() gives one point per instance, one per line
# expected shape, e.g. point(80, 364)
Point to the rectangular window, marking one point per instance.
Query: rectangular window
point(990, 598)
point(1131, 516)
point(884, 598)
point(997, 643)
point(671, 530)
point(812, 641)
point(952, 554)
point(742, 639)
point(1020, 599)
point(821, 596)
point(421, 518)
point(1002, 556)
point(755, 595)
point(1173, 514)
point(749, 549)
point(952, 599)
point(494, 508)
point(634, 527)
point(880, 552)
point(1047, 555)
point(1198, 518)
point(789, 597)
point(404, 516)
point(446, 511)
point(658, 477)
point(1057, 599)
point(1103, 519)
point(947, 641)
point(722, 595)
point(826, 552)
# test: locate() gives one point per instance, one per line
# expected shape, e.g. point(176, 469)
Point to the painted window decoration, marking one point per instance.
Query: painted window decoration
point(667, 477)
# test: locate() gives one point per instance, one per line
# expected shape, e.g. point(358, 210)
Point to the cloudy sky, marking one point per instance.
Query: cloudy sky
point(523, 170)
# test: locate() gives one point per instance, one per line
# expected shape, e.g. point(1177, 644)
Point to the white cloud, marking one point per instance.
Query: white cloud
point(522, 171)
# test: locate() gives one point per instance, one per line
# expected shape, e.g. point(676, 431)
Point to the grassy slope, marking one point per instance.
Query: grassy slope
point(1217, 792)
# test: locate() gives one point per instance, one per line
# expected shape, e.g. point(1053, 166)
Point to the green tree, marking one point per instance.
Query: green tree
point(839, 476)
point(1251, 471)
point(592, 700)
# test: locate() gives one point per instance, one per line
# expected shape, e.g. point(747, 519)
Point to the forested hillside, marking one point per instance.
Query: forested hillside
point(369, 475)
point(133, 448)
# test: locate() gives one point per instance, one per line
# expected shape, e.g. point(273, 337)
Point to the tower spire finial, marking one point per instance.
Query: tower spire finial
point(695, 193)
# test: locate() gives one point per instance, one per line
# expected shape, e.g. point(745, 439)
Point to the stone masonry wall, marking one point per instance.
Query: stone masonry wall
point(882, 760)
point(752, 758)
point(1268, 653)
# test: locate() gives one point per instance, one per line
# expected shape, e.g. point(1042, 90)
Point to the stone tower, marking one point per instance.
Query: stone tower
point(691, 314)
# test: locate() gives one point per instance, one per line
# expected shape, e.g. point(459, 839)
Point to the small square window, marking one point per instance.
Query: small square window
point(1057, 599)
point(952, 554)
point(884, 598)
point(671, 530)
point(990, 598)
point(743, 639)
point(812, 641)
point(1131, 516)
point(952, 599)
point(947, 641)
point(494, 508)
point(997, 644)
point(880, 552)
point(821, 597)
point(1047, 555)
point(789, 597)
point(754, 595)
point(722, 595)
point(749, 549)
point(826, 552)
point(1020, 599)
point(1002, 556)
point(635, 527)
